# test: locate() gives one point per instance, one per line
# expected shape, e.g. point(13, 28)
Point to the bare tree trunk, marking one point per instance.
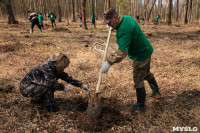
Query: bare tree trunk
point(105, 7)
point(73, 12)
point(186, 12)
point(151, 10)
point(159, 6)
point(84, 14)
point(177, 11)
point(67, 12)
point(35, 7)
point(145, 8)
point(197, 10)
point(78, 6)
point(134, 8)
point(169, 13)
point(59, 11)
point(108, 4)
point(95, 8)
point(190, 12)
point(93, 13)
point(11, 18)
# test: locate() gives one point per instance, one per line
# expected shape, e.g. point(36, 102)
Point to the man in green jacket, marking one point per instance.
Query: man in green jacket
point(40, 18)
point(52, 17)
point(132, 42)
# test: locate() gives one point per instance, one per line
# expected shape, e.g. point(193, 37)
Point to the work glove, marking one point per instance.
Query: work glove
point(105, 67)
point(66, 89)
point(85, 87)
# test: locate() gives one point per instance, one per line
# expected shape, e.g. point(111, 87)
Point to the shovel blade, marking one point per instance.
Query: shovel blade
point(94, 113)
point(94, 110)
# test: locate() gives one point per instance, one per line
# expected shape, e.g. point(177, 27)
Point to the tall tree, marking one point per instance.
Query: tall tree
point(84, 14)
point(159, 6)
point(59, 11)
point(134, 8)
point(93, 13)
point(186, 12)
point(108, 4)
point(73, 12)
point(151, 10)
point(67, 12)
point(198, 10)
point(177, 10)
point(169, 12)
point(11, 18)
point(93, 8)
point(145, 8)
point(190, 12)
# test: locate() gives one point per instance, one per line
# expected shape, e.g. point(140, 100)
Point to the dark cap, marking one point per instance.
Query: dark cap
point(108, 14)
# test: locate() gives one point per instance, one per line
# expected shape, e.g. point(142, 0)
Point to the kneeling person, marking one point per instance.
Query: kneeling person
point(42, 81)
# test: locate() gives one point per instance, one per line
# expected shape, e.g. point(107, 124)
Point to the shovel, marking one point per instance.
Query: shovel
point(94, 109)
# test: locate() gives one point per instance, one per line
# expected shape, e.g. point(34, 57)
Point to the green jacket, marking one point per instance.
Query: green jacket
point(131, 38)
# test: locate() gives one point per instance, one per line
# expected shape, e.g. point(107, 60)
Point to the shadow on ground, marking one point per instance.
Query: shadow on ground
point(109, 116)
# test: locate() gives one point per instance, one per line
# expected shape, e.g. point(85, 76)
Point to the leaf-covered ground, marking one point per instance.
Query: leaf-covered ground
point(175, 64)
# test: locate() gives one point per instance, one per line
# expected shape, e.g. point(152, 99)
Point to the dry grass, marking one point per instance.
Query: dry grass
point(175, 64)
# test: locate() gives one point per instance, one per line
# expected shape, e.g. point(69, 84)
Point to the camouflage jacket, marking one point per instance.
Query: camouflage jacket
point(45, 75)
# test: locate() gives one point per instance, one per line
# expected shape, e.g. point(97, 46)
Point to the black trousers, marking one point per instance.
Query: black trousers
point(53, 22)
point(33, 22)
point(41, 25)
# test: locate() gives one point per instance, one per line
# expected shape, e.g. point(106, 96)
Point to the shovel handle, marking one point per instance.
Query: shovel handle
point(104, 59)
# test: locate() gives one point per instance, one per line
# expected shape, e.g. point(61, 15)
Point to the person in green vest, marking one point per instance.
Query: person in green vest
point(132, 42)
point(158, 18)
point(93, 20)
point(142, 18)
point(40, 18)
point(52, 17)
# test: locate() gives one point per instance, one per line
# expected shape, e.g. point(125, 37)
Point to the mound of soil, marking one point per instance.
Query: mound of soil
point(61, 29)
point(109, 117)
point(11, 47)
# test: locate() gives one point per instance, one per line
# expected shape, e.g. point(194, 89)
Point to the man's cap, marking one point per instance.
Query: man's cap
point(108, 14)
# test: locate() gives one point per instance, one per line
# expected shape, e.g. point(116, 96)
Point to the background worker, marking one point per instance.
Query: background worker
point(52, 17)
point(93, 20)
point(40, 18)
point(33, 17)
point(80, 17)
point(158, 18)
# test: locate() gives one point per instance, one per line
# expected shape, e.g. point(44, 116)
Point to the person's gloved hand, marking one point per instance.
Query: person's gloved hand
point(85, 87)
point(66, 89)
point(105, 67)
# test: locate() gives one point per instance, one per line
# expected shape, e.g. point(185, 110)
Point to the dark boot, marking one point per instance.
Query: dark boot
point(154, 88)
point(141, 96)
point(52, 108)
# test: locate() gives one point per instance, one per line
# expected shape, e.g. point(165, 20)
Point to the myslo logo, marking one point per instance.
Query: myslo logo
point(193, 129)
